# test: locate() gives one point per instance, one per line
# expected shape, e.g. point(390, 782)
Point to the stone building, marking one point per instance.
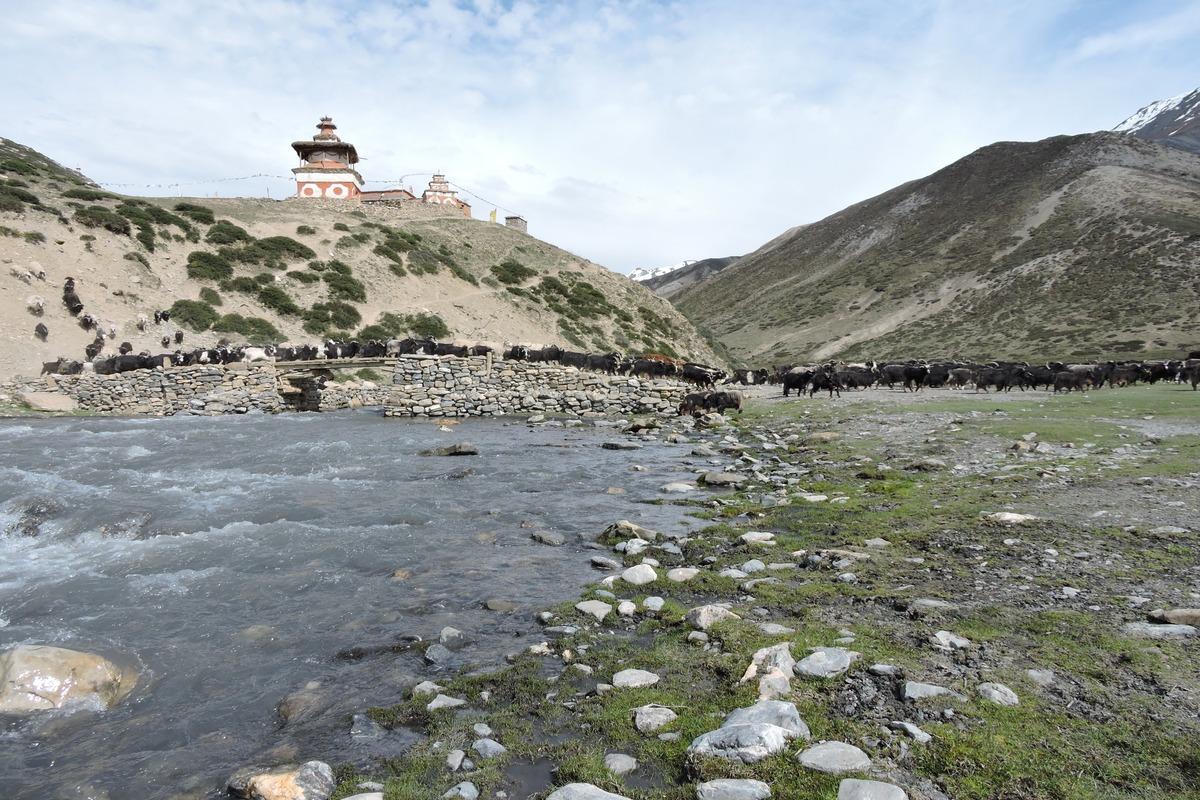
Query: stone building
point(517, 223)
point(327, 165)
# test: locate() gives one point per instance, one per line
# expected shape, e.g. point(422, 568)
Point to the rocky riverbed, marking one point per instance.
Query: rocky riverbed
point(951, 596)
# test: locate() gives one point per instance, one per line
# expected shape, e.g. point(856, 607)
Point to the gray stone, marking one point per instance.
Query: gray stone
point(916, 691)
point(497, 604)
point(48, 401)
point(583, 791)
point(722, 479)
point(704, 617)
point(835, 758)
point(733, 789)
point(927, 605)
point(918, 735)
point(1148, 630)
point(622, 446)
point(437, 654)
point(454, 759)
point(444, 701)
point(312, 780)
point(634, 679)
point(650, 718)
point(639, 575)
point(826, 662)
point(775, 629)
point(677, 487)
point(548, 538)
point(605, 563)
point(654, 604)
point(488, 748)
point(779, 713)
point(460, 449)
point(746, 743)
point(363, 728)
point(855, 789)
point(620, 764)
point(1176, 616)
point(682, 574)
point(884, 670)
point(462, 791)
point(998, 693)
point(453, 638)
point(945, 640)
point(596, 608)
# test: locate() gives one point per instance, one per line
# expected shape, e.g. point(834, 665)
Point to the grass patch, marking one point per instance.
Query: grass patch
point(512, 272)
point(195, 315)
point(254, 329)
point(196, 213)
point(202, 266)
point(225, 232)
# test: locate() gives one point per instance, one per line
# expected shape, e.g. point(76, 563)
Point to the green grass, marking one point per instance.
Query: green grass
point(193, 314)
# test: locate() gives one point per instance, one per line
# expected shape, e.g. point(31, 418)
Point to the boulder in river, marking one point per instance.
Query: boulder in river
point(41, 678)
point(312, 780)
point(460, 449)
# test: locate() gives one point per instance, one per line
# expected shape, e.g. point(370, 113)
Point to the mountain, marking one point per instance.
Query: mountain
point(1174, 122)
point(294, 270)
point(1074, 246)
point(643, 274)
point(674, 281)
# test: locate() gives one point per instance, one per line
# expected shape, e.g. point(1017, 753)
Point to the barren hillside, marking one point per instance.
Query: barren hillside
point(294, 270)
point(1083, 246)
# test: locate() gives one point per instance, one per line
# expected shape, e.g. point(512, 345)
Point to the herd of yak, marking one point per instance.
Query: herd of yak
point(831, 377)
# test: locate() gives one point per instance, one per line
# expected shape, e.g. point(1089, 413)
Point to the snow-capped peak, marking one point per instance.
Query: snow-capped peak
point(646, 273)
point(1151, 112)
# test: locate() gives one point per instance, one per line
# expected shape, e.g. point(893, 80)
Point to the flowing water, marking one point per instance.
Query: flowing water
point(230, 559)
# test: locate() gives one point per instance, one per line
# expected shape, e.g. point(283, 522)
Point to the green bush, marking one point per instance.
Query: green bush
point(204, 266)
point(138, 257)
point(19, 167)
point(305, 230)
point(193, 314)
point(35, 237)
point(24, 195)
point(91, 195)
point(341, 226)
point(283, 247)
point(256, 330)
point(302, 276)
point(101, 217)
point(225, 232)
point(10, 203)
point(333, 314)
point(398, 270)
point(201, 214)
point(241, 283)
point(264, 278)
point(278, 300)
point(338, 266)
point(425, 324)
point(512, 271)
point(210, 296)
point(423, 261)
point(345, 287)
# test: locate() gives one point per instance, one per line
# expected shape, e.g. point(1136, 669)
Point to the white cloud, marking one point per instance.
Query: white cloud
point(633, 133)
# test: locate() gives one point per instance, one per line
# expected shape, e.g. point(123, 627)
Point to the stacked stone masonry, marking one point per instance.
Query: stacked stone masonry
point(409, 386)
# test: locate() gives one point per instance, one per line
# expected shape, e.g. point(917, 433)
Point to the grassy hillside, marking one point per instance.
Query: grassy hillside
point(297, 271)
point(1082, 246)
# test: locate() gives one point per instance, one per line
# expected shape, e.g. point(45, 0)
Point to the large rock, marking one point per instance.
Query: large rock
point(639, 575)
point(835, 758)
point(826, 662)
point(48, 401)
point(999, 694)
point(41, 678)
point(722, 479)
point(746, 743)
point(1148, 630)
point(460, 449)
point(620, 764)
point(1176, 616)
point(462, 791)
point(624, 529)
point(312, 780)
point(733, 789)
point(704, 617)
point(1009, 519)
point(855, 789)
point(583, 791)
point(779, 713)
point(596, 608)
point(915, 691)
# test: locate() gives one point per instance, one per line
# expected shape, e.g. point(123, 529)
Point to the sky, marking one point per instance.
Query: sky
point(632, 133)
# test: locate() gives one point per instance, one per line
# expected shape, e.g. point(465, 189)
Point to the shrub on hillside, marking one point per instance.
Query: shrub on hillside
point(329, 315)
point(138, 257)
point(24, 195)
point(19, 167)
point(225, 232)
point(91, 195)
point(101, 217)
point(423, 261)
point(305, 230)
point(11, 204)
point(256, 330)
point(512, 271)
point(241, 283)
point(341, 226)
point(35, 237)
point(302, 276)
point(345, 287)
point(204, 266)
point(426, 324)
point(201, 214)
point(210, 296)
point(278, 300)
point(193, 314)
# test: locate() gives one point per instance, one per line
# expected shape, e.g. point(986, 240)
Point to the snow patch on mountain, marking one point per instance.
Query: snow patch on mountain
point(1174, 109)
point(649, 273)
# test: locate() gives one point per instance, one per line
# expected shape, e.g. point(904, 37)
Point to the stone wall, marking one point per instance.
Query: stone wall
point(408, 386)
point(462, 387)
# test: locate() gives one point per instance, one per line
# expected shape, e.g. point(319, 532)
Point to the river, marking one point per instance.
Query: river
point(231, 558)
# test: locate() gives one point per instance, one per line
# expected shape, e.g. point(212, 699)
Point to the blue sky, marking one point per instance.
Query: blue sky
point(633, 133)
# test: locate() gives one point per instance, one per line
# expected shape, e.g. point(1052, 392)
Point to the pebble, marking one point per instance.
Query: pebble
point(704, 617)
point(682, 574)
point(596, 608)
point(626, 608)
point(488, 748)
point(758, 537)
point(620, 764)
point(918, 735)
point(854, 789)
point(654, 604)
point(775, 629)
point(752, 566)
point(454, 759)
point(998, 693)
point(733, 789)
point(835, 758)
point(945, 640)
point(649, 718)
point(634, 679)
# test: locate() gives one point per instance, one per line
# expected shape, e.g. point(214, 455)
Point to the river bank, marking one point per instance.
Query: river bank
point(959, 591)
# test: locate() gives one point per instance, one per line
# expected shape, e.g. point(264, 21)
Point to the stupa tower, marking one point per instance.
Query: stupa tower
point(327, 165)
